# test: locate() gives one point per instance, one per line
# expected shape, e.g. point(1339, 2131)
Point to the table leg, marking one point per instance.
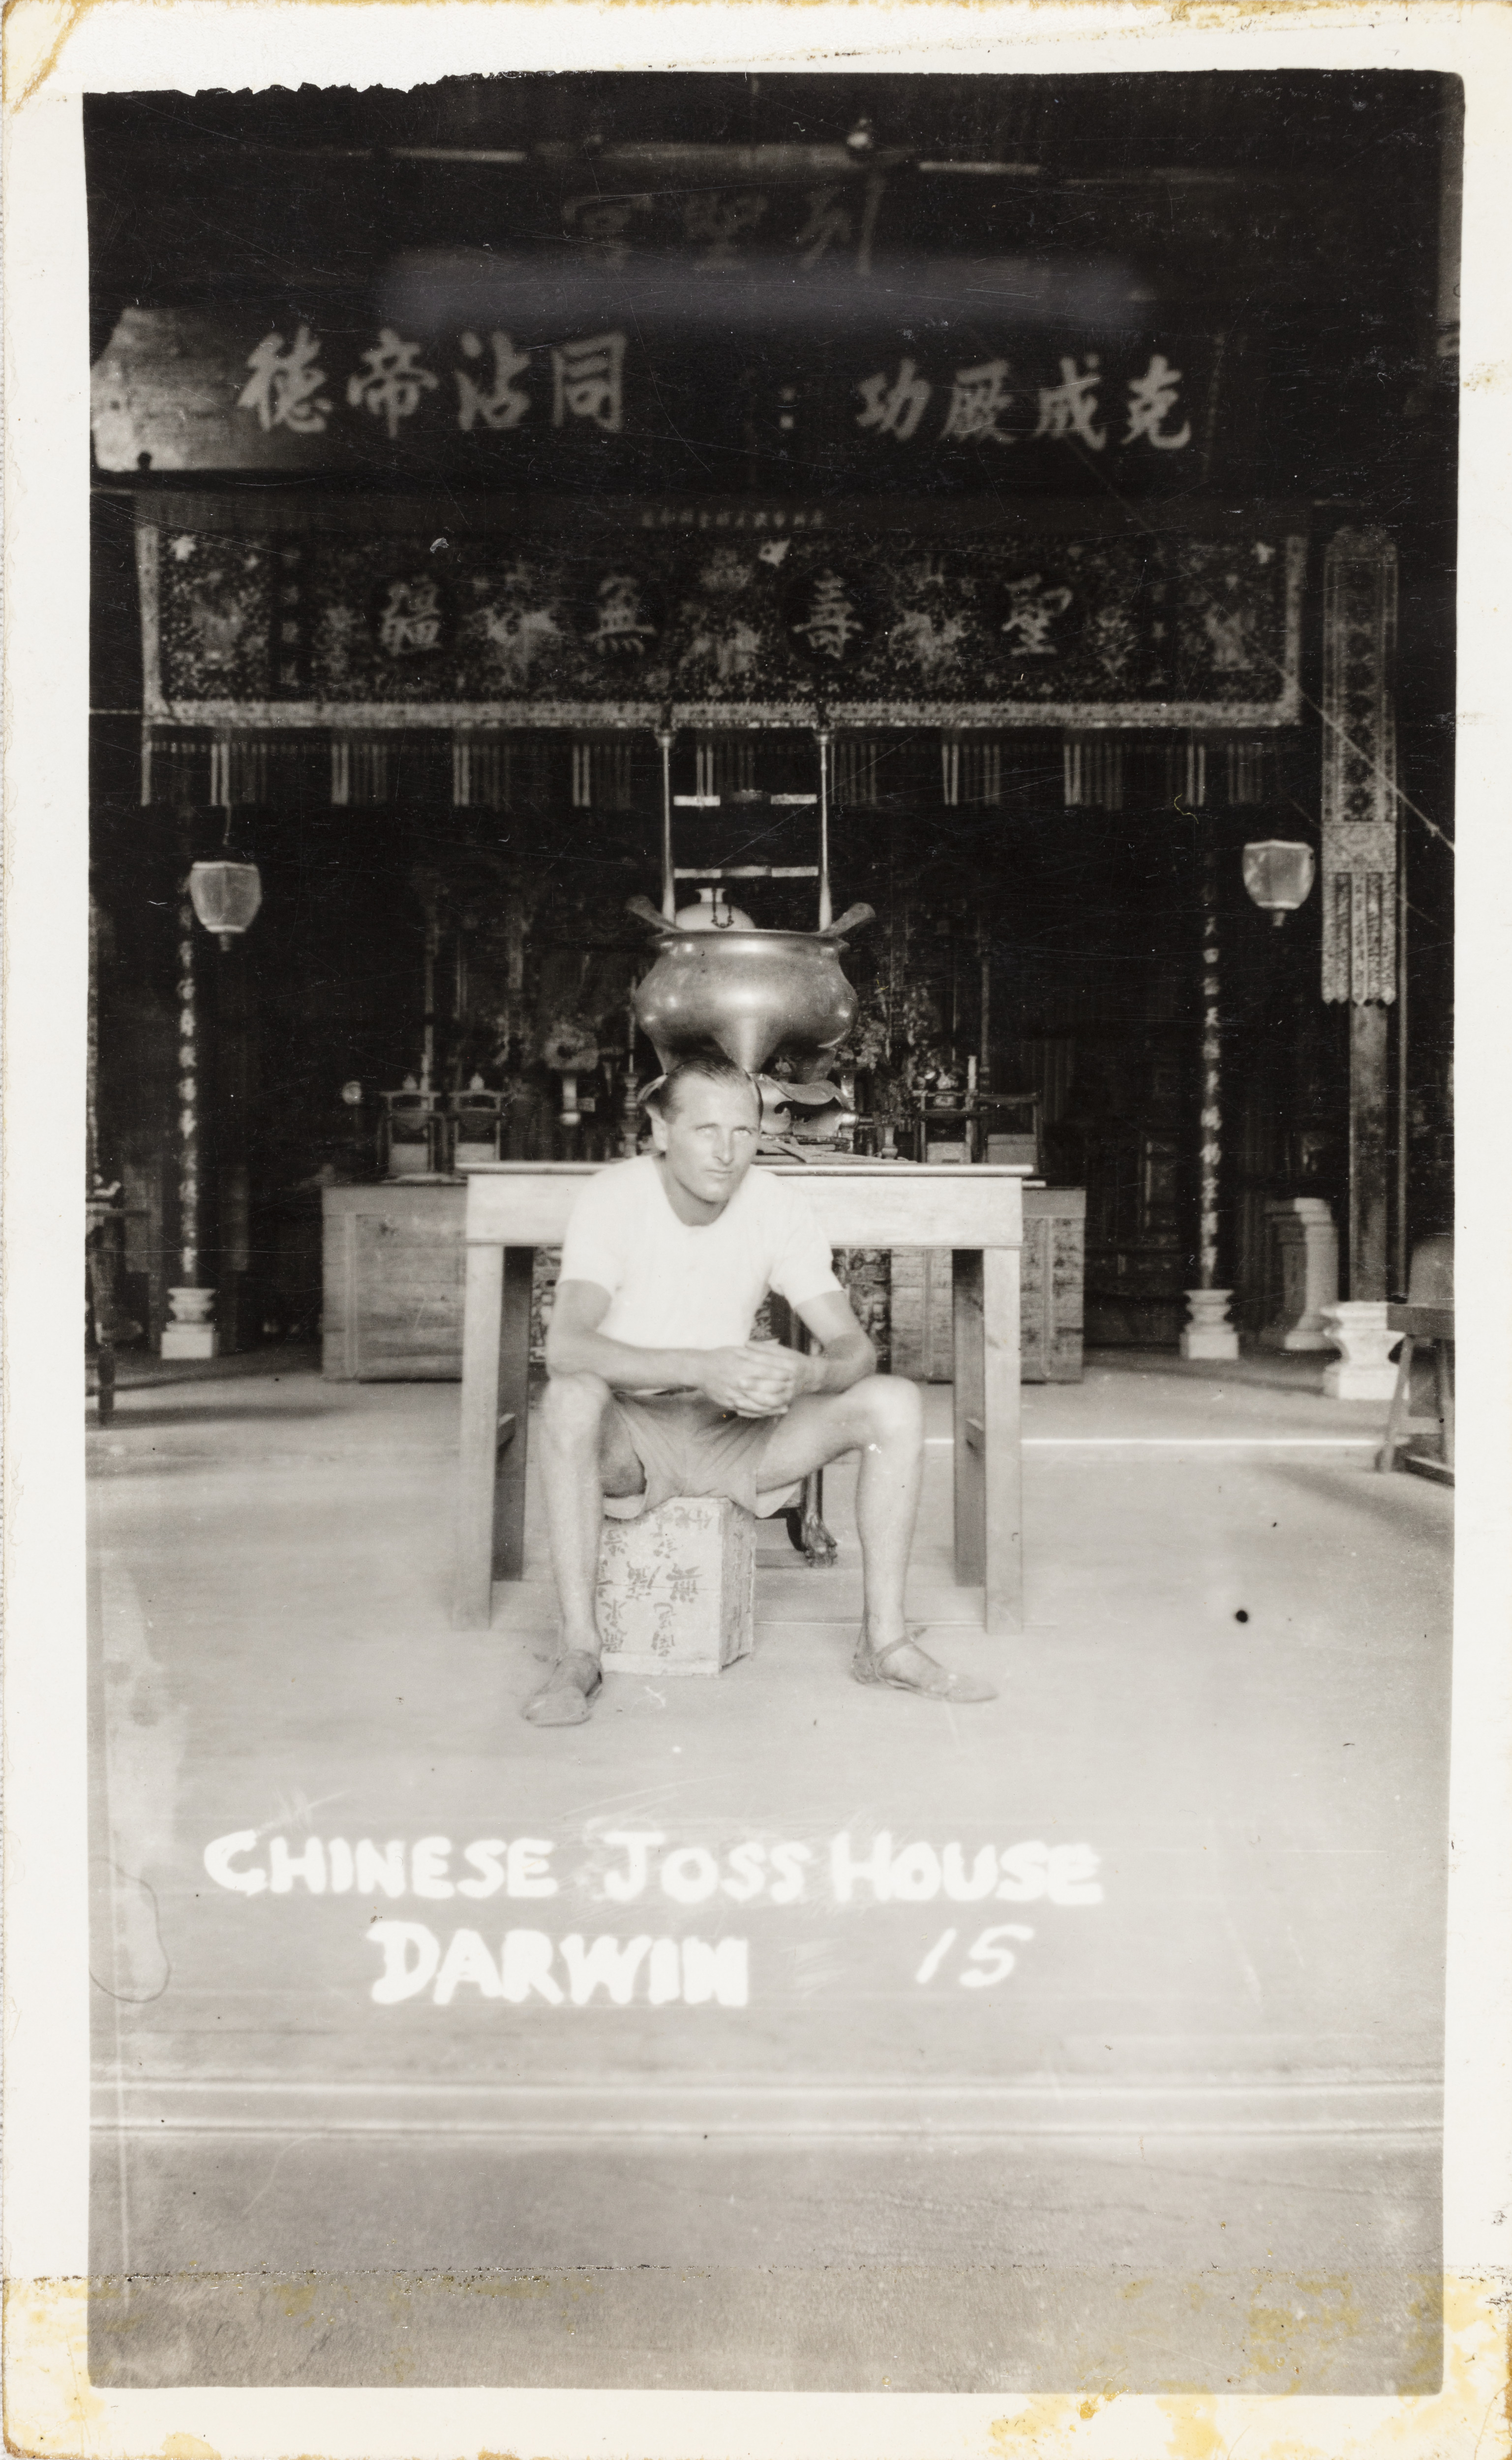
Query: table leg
point(482, 1315)
point(988, 1486)
point(805, 1520)
point(970, 1427)
point(512, 1441)
point(1001, 1455)
point(1400, 1410)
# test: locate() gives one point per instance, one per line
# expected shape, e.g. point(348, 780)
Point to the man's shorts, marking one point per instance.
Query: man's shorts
point(687, 1445)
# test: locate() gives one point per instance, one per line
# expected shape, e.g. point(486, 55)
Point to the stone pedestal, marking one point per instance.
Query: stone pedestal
point(1363, 1371)
point(677, 1588)
point(1307, 1245)
point(191, 1333)
point(1208, 1333)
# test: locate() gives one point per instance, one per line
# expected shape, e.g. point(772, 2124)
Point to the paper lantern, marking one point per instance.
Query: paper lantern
point(1278, 876)
point(225, 896)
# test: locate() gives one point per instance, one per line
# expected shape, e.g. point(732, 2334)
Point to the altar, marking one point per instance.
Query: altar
point(512, 1208)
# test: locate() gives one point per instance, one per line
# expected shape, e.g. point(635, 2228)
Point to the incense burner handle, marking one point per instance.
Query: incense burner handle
point(644, 911)
point(850, 919)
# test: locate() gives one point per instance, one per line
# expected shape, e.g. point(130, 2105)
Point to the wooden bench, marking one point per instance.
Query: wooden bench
point(512, 1208)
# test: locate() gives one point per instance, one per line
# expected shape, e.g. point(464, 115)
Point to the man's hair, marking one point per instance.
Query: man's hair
point(713, 1064)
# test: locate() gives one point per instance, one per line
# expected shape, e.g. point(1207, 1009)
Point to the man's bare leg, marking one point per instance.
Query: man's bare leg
point(883, 1418)
point(584, 1455)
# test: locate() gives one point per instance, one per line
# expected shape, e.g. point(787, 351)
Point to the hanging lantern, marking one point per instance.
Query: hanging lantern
point(225, 897)
point(1278, 876)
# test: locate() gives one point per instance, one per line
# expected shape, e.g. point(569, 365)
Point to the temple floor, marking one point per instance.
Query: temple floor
point(1144, 2097)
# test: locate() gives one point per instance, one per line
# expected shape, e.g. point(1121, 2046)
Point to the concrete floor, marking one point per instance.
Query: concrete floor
point(1189, 2139)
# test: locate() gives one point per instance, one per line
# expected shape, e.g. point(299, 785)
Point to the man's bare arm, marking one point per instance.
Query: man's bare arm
point(848, 1355)
point(753, 1380)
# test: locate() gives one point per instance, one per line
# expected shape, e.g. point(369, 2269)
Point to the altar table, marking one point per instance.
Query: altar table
point(512, 1208)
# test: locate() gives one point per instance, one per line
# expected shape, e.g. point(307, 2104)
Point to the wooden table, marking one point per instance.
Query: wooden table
point(512, 1208)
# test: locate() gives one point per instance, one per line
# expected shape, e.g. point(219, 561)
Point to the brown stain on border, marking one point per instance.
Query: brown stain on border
point(49, 2403)
point(24, 13)
point(1189, 15)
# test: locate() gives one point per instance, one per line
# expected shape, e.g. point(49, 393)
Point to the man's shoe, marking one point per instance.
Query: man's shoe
point(928, 1681)
point(566, 1696)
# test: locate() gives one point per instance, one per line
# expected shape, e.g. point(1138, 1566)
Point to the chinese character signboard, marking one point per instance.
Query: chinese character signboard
point(750, 611)
point(521, 401)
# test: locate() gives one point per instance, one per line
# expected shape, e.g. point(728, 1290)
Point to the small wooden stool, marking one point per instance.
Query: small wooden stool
point(1427, 1315)
point(677, 1588)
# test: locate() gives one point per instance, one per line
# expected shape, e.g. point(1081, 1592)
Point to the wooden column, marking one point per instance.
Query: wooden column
point(92, 1166)
point(190, 1182)
point(1368, 1173)
point(1359, 865)
point(1210, 1150)
point(191, 1333)
point(1207, 1332)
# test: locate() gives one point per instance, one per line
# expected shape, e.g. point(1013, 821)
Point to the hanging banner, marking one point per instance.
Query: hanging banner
point(780, 615)
point(1359, 768)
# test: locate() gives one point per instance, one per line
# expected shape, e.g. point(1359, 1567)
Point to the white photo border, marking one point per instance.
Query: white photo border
point(53, 55)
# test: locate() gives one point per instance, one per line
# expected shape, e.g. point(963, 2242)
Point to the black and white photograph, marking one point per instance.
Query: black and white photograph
point(770, 1014)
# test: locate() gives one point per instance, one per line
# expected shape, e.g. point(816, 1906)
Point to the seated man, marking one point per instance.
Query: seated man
point(657, 1389)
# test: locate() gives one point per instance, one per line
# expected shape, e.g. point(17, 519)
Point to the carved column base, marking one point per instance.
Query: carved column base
point(1308, 1249)
point(1358, 1330)
point(191, 1334)
point(1209, 1334)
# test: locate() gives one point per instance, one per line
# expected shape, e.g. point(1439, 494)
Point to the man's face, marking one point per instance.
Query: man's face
point(709, 1142)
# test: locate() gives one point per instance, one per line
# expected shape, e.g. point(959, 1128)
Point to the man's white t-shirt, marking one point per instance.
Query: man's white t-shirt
point(676, 1285)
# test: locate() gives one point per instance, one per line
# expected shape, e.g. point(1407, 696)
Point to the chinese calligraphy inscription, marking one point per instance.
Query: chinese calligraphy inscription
point(286, 388)
point(622, 619)
point(499, 404)
point(411, 615)
point(392, 383)
point(1030, 615)
point(827, 616)
point(588, 382)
